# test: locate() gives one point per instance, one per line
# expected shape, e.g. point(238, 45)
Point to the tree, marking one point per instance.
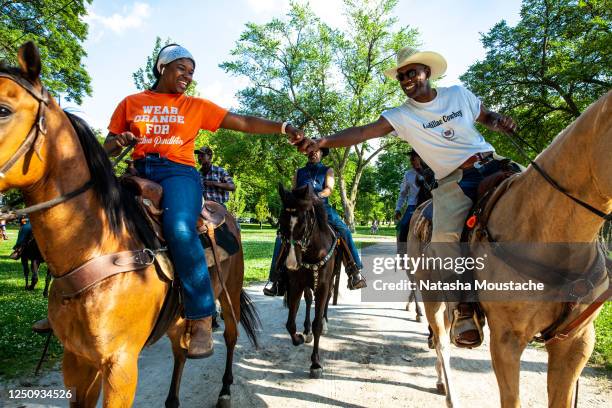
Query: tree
point(144, 78)
point(237, 201)
point(58, 31)
point(262, 212)
point(390, 168)
point(545, 71)
point(323, 79)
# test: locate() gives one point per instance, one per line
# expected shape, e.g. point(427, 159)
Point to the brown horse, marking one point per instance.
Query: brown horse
point(533, 211)
point(310, 262)
point(104, 328)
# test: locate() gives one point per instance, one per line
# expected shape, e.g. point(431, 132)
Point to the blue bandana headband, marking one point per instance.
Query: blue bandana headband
point(172, 53)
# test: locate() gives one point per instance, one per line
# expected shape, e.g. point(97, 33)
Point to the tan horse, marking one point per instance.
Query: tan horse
point(104, 328)
point(532, 211)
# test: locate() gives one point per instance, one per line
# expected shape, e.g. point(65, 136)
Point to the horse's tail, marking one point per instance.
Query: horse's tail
point(249, 318)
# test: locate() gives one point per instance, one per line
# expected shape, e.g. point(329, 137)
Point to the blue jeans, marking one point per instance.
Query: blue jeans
point(340, 227)
point(473, 176)
point(405, 223)
point(181, 203)
point(24, 234)
point(273, 274)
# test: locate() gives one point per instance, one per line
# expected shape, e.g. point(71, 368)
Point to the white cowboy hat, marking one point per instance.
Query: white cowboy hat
point(409, 55)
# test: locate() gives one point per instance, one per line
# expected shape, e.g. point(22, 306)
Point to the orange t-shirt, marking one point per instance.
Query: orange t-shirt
point(165, 123)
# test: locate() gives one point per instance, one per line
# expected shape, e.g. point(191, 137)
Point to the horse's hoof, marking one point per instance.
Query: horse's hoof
point(418, 318)
point(224, 401)
point(324, 330)
point(308, 338)
point(297, 340)
point(172, 403)
point(431, 344)
point(316, 373)
point(441, 388)
point(407, 307)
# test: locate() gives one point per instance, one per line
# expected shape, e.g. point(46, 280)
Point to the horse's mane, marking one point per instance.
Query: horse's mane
point(320, 213)
point(4, 67)
point(118, 203)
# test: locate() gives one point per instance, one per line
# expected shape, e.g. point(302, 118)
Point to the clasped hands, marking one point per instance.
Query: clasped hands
point(302, 143)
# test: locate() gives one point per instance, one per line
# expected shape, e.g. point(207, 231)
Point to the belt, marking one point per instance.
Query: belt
point(477, 158)
point(159, 156)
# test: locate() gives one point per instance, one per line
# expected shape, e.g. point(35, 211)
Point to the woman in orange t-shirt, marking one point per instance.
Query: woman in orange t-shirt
point(164, 122)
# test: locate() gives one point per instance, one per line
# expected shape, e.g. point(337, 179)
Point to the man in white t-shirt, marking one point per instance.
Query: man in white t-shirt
point(439, 123)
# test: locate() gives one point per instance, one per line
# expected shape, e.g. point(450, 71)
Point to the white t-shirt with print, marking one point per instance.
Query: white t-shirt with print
point(441, 131)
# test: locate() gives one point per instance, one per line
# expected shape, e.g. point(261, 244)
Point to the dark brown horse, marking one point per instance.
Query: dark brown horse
point(310, 262)
point(51, 155)
point(31, 259)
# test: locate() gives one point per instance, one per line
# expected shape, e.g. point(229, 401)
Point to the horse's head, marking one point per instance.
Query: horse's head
point(296, 221)
point(23, 104)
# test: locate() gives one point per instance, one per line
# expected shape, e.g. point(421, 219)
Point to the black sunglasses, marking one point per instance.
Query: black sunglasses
point(400, 76)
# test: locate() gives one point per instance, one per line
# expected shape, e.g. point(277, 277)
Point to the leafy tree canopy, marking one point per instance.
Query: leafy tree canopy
point(547, 69)
point(322, 79)
point(57, 29)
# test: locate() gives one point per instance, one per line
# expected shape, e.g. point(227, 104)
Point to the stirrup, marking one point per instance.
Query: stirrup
point(466, 331)
point(16, 253)
point(277, 289)
point(356, 281)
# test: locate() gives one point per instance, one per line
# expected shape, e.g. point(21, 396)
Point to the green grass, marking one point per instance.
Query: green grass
point(20, 348)
point(602, 355)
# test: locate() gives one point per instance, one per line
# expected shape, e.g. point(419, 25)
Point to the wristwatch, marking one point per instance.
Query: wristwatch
point(284, 127)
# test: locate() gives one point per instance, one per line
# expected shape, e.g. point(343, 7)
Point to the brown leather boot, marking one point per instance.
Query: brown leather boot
point(42, 326)
point(355, 278)
point(200, 342)
point(465, 331)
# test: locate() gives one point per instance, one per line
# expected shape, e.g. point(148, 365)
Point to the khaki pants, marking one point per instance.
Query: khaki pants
point(450, 208)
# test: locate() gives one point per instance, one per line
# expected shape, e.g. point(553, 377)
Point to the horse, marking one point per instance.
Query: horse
point(564, 197)
point(54, 158)
point(303, 224)
point(31, 254)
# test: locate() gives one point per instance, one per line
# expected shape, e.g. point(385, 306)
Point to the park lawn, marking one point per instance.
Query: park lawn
point(20, 348)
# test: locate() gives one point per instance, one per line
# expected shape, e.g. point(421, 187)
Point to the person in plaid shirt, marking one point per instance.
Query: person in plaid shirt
point(216, 182)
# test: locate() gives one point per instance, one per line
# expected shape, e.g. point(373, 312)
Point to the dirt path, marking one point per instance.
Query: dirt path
point(374, 355)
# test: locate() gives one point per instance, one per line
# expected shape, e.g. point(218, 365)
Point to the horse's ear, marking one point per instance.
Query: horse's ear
point(310, 191)
point(29, 61)
point(302, 192)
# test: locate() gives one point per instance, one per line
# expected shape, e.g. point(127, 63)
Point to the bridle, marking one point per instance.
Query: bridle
point(305, 241)
point(39, 127)
point(34, 140)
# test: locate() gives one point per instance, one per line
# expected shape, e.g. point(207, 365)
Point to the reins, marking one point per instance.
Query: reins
point(551, 181)
point(305, 242)
point(551, 335)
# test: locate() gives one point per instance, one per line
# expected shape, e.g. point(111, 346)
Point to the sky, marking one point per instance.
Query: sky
point(122, 34)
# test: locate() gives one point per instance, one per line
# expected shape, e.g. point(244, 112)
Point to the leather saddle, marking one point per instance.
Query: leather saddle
point(213, 216)
point(486, 188)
